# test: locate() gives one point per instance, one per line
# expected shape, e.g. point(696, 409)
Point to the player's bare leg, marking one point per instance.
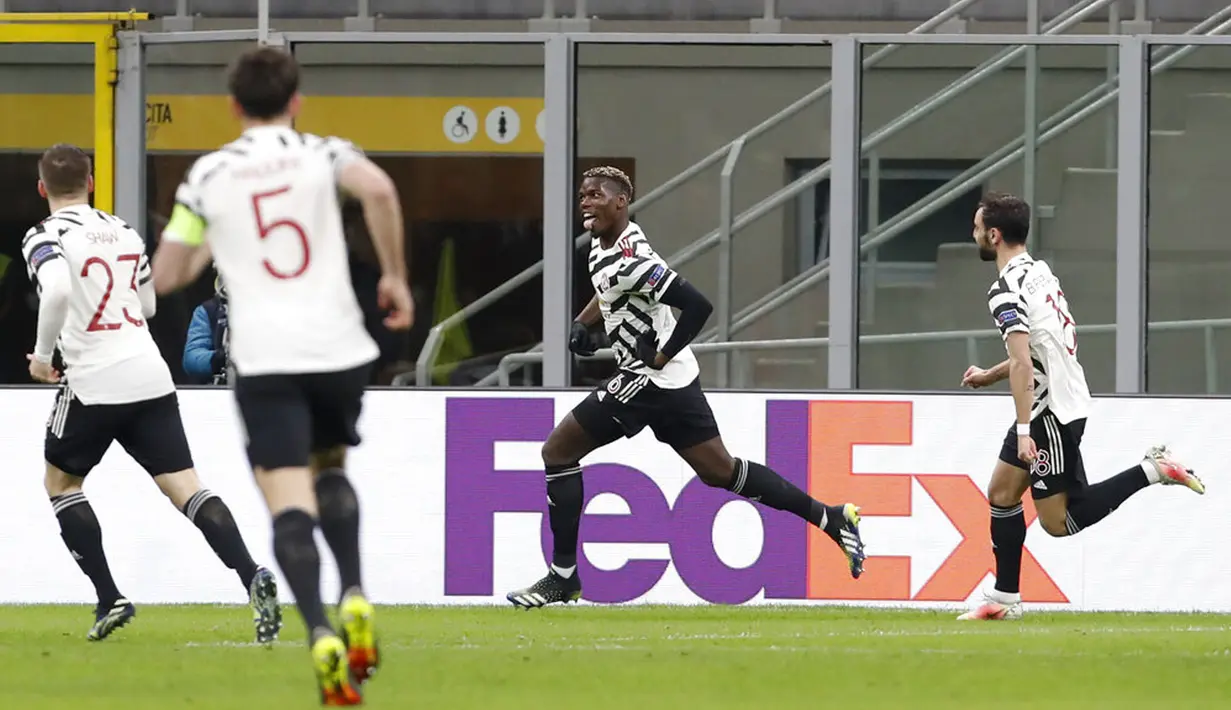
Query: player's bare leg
point(567, 444)
point(291, 497)
point(715, 466)
point(1008, 528)
point(82, 535)
point(339, 522)
point(213, 518)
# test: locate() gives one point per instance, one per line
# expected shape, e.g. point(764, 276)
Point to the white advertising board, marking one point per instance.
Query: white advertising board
point(453, 501)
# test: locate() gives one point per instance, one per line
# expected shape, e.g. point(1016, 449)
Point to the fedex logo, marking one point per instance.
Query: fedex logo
point(810, 443)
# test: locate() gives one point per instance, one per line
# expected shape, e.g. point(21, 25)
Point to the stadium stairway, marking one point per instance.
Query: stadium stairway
point(1189, 277)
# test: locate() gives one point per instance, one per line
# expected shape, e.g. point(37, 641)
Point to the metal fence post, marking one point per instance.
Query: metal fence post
point(867, 269)
point(559, 151)
point(844, 149)
point(1211, 361)
point(1113, 77)
point(1030, 156)
point(130, 133)
point(1131, 210)
point(262, 21)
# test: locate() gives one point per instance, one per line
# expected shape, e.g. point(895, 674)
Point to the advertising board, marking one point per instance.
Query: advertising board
point(453, 499)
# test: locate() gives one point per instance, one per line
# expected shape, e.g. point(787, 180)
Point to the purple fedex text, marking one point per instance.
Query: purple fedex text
point(475, 490)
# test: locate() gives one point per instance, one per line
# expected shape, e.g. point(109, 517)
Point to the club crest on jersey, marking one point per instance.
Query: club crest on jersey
point(41, 255)
point(656, 276)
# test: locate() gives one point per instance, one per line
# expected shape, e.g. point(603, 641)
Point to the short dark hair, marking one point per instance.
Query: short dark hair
point(1009, 214)
point(263, 80)
point(64, 170)
point(613, 174)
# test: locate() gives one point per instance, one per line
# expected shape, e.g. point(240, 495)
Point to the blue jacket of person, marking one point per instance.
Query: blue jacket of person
point(205, 355)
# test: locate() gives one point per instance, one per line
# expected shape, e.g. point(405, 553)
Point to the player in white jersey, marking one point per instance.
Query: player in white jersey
point(657, 386)
point(1042, 450)
point(268, 208)
point(95, 295)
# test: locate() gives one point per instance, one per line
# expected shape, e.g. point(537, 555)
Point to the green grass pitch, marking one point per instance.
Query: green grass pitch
point(635, 657)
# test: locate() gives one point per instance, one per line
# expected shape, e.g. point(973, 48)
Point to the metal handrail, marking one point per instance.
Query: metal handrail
point(1057, 25)
point(407, 377)
point(431, 347)
point(1079, 110)
point(1208, 326)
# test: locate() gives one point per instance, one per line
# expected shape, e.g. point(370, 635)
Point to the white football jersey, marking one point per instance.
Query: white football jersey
point(269, 209)
point(109, 355)
point(630, 278)
point(1027, 298)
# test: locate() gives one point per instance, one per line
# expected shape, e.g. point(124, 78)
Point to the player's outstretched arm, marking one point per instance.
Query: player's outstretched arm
point(976, 377)
point(591, 314)
point(181, 256)
point(580, 341)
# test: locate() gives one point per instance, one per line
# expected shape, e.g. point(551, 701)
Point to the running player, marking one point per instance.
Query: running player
point(657, 385)
point(267, 206)
point(95, 294)
point(1052, 403)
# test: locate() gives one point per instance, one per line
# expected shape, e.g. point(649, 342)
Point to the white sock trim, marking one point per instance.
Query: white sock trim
point(193, 506)
point(1006, 598)
point(1151, 471)
point(566, 572)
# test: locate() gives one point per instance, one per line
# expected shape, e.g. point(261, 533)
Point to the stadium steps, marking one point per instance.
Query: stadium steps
point(1190, 267)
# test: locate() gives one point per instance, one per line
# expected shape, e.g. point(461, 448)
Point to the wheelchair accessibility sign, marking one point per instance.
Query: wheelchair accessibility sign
point(461, 124)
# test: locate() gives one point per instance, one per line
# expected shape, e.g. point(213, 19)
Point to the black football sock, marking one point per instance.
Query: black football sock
point(340, 524)
point(1008, 537)
point(213, 518)
point(763, 485)
point(295, 548)
point(1096, 502)
point(565, 495)
point(84, 538)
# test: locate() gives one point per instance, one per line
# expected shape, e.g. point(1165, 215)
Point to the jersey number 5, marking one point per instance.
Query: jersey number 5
point(267, 228)
point(96, 323)
point(1061, 306)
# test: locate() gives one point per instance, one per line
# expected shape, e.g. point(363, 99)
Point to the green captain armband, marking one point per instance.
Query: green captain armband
point(186, 227)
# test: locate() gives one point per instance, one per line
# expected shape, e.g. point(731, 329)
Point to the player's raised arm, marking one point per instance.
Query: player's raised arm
point(181, 256)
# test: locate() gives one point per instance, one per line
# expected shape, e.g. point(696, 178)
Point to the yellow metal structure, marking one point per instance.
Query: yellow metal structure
point(97, 29)
point(75, 17)
point(199, 123)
